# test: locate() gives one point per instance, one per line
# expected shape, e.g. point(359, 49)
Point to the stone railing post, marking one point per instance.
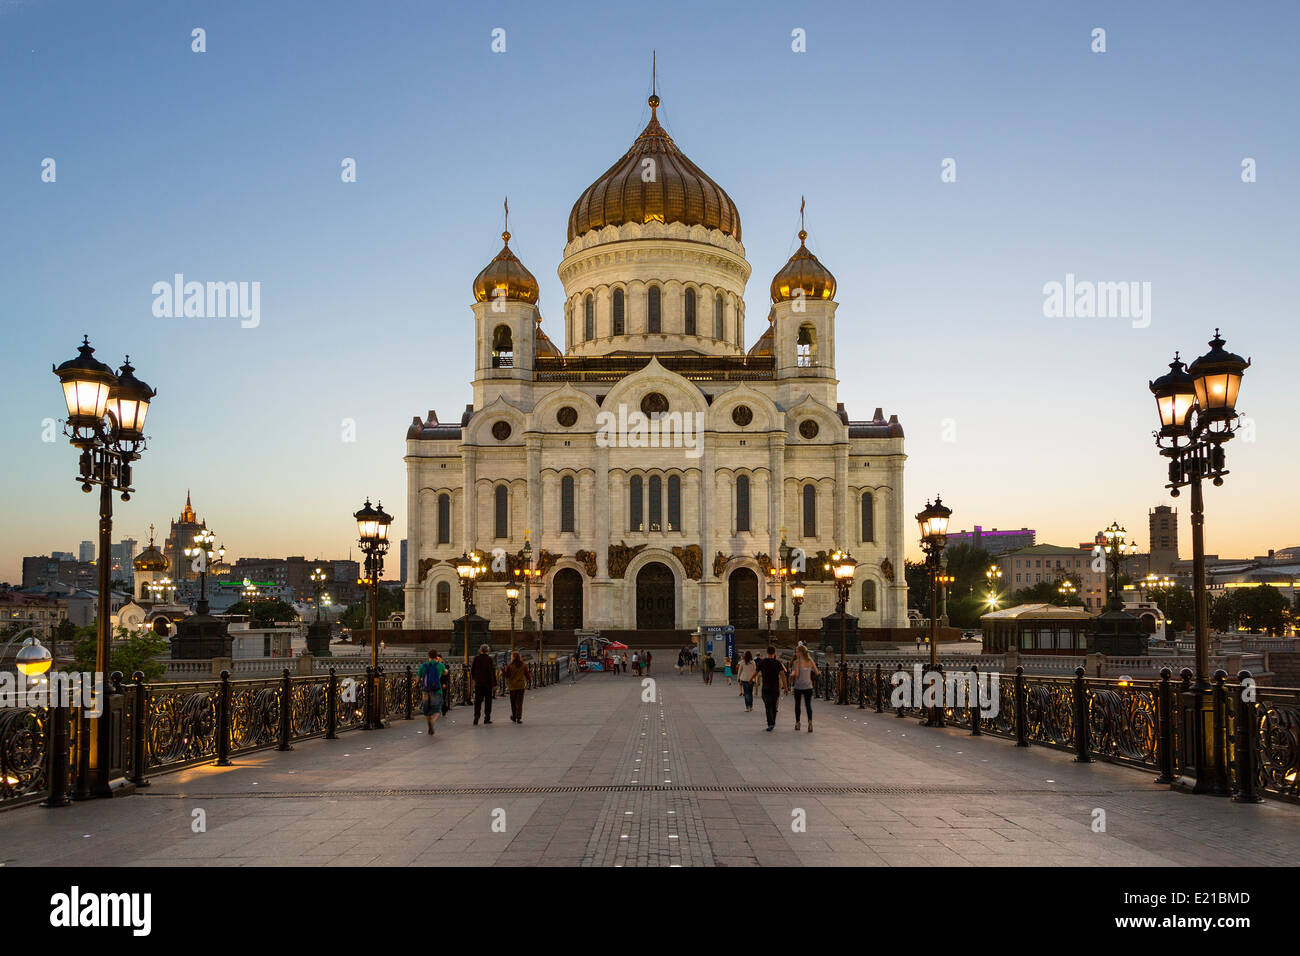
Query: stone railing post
point(1247, 721)
point(223, 720)
point(286, 711)
point(1082, 721)
point(1165, 742)
point(332, 706)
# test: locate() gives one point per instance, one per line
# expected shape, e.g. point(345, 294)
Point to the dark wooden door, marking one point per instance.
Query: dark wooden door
point(742, 598)
point(567, 588)
point(656, 603)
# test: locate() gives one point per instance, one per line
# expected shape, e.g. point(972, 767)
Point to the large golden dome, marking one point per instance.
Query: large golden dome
point(678, 190)
point(803, 271)
point(506, 276)
point(151, 559)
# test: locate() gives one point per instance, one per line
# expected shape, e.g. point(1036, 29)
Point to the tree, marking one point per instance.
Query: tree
point(129, 652)
point(265, 612)
point(357, 615)
point(1177, 606)
point(1260, 609)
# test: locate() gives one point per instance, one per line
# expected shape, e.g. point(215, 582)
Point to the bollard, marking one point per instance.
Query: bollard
point(975, 701)
point(332, 706)
point(223, 721)
point(286, 712)
point(139, 729)
point(1082, 723)
point(1247, 738)
point(1020, 696)
point(1165, 703)
point(57, 757)
point(862, 689)
point(408, 691)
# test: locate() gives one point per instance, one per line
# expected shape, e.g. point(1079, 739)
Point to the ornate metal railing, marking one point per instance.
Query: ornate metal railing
point(167, 726)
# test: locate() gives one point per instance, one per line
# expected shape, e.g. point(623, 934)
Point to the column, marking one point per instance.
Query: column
point(840, 494)
point(534, 493)
point(469, 494)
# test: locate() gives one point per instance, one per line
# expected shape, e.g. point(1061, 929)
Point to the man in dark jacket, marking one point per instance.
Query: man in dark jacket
point(483, 672)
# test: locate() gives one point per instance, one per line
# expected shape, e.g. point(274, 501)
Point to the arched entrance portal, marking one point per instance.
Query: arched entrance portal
point(567, 598)
point(742, 598)
point(656, 604)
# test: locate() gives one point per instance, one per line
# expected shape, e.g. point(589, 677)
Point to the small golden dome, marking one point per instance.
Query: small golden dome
point(151, 559)
point(505, 276)
point(543, 346)
point(803, 271)
point(676, 191)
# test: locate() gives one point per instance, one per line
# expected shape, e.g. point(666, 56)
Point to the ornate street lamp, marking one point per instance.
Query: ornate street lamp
point(769, 605)
point(468, 568)
point(372, 532)
point(933, 521)
point(843, 566)
point(994, 577)
point(512, 599)
point(796, 598)
point(1117, 549)
point(317, 579)
point(202, 555)
point(1067, 590)
point(785, 571)
point(541, 622)
point(106, 416)
point(1197, 408)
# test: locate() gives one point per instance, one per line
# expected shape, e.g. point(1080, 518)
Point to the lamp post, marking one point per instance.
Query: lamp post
point(512, 599)
point(933, 520)
point(317, 579)
point(994, 577)
point(796, 599)
point(372, 533)
point(1117, 549)
point(769, 605)
point(541, 622)
point(468, 568)
point(1067, 590)
point(202, 555)
point(525, 571)
point(106, 415)
point(157, 590)
point(843, 566)
point(783, 552)
point(1198, 414)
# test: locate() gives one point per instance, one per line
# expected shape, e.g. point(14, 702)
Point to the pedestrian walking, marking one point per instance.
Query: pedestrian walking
point(516, 684)
point(446, 683)
point(802, 673)
point(623, 661)
point(430, 682)
point(636, 664)
point(681, 661)
point(573, 668)
point(648, 657)
point(773, 676)
point(745, 677)
point(726, 669)
point(918, 643)
point(484, 674)
point(709, 665)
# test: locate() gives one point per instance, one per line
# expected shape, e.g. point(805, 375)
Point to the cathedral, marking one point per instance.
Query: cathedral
point(656, 467)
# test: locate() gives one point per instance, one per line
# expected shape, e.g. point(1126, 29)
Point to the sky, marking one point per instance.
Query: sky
point(225, 165)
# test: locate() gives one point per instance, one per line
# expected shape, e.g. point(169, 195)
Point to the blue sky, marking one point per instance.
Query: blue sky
point(1115, 166)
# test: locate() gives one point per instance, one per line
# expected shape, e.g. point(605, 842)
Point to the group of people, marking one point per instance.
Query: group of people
point(768, 675)
point(434, 678)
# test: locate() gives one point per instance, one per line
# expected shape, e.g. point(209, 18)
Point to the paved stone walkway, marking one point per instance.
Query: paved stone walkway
point(572, 786)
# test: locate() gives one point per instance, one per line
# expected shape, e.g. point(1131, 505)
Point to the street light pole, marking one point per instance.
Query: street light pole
point(843, 567)
point(1198, 415)
point(796, 599)
point(512, 599)
point(106, 416)
point(372, 531)
point(933, 520)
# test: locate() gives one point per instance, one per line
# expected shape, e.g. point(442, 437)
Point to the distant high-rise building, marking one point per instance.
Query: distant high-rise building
point(87, 552)
point(1164, 538)
point(62, 556)
point(994, 541)
point(123, 554)
point(180, 537)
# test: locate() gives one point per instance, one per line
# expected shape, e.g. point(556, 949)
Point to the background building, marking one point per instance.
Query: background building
point(39, 571)
point(1052, 564)
point(179, 537)
point(993, 541)
point(87, 551)
point(1163, 537)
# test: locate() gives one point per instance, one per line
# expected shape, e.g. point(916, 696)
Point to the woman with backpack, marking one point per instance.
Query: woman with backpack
point(430, 681)
point(516, 683)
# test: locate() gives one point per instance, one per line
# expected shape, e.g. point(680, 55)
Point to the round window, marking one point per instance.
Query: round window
point(808, 428)
point(567, 416)
point(654, 404)
point(742, 415)
point(501, 430)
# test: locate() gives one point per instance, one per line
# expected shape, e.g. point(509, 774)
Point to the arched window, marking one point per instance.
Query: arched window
point(656, 522)
point(655, 323)
point(690, 311)
point(717, 316)
point(742, 503)
point(444, 519)
point(868, 595)
point(566, 503)
point(443, 598)
point(810, 511)
point(805, 346)
point(589, 319)
point(503, 349)
point(620, 324)
point(868, 516)
point(502, 512)
point(634, 504)
point(674, 503)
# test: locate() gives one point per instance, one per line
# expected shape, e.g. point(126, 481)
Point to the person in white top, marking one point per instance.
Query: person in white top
point(802, 672)
point(745, 677)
